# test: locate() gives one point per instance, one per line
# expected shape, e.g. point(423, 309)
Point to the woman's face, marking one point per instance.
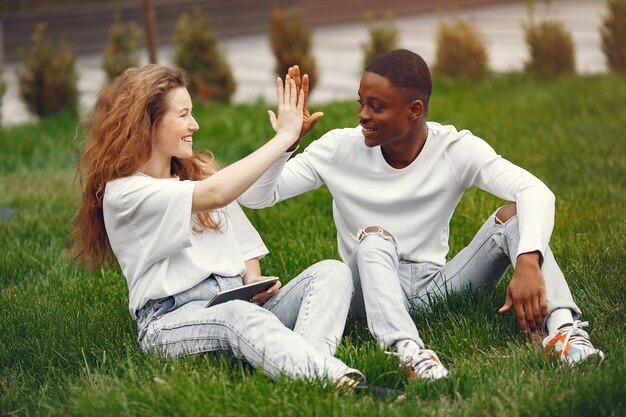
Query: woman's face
point(172, 134)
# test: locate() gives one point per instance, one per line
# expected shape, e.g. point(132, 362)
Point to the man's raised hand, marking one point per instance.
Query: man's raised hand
point(302, 83)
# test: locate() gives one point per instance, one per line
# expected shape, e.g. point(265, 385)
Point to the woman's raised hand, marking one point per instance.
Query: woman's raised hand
point(290, 109)
point(227, 184)
point(309, 120)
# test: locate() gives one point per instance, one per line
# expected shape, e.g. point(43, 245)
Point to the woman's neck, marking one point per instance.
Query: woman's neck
point(157, 170)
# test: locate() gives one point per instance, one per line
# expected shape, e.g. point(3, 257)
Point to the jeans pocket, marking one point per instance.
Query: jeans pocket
point(228, 283)
point(204, 290)
point(416, 273)
point(152, 312)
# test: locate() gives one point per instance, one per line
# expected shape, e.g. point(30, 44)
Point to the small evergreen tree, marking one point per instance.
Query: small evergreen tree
point(461, 50)
point(48, 80)
point(197, 52)
point(550, 46)
point(3, 88)
point(122, 51)
point(290, 39)
point(613, 32)
point(382, 38)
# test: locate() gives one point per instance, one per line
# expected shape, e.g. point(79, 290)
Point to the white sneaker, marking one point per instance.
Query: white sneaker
point(421, 364)
point(572, 344)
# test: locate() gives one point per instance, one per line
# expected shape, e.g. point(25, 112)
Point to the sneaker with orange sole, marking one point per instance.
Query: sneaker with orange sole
point(421, 364)
point(572, 344)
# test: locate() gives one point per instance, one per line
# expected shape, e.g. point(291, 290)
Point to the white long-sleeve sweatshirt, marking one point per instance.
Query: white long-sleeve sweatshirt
point(415, 203)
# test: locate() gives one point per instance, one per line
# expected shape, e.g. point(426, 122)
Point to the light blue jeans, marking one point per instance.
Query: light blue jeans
point(295, 332)
point(385, 287)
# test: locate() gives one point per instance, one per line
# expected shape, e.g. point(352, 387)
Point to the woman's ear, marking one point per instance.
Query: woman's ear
point(416, 109)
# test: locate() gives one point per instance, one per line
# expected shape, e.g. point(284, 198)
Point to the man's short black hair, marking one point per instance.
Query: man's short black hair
point(405, 70)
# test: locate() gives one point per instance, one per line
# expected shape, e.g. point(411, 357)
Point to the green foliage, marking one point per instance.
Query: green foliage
point(48, 80)
point(69, 347)
point(550, 46)
point(613, 33)
point(197, 52)
point(290, 39)
point(122, 51)
point(383, 38)
point(461, 50)
point(3, 88)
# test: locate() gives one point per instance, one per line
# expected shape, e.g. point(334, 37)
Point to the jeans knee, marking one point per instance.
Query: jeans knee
point(375, 236)
point(375, 231)
point(333, 266)
point(244, 312)
point(505, 213)
point(335, 274)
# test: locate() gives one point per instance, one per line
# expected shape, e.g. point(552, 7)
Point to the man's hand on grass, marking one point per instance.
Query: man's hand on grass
point(527, 293)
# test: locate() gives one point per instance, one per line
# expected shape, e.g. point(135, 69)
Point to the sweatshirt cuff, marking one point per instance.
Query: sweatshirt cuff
point(527, 248)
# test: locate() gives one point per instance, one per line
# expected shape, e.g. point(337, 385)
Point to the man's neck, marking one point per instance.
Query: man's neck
point(401, 154)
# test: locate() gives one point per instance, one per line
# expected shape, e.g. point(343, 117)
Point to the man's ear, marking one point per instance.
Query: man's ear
point(416, 109)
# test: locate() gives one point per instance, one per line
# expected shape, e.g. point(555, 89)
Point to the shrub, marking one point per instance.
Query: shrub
point(613, 32)
point(3, 89)
point(122, 51)
point(382, 38)
point(461, 50)
point(550, 46)
point(48, 80)
point(197, 52)
point(290, 39)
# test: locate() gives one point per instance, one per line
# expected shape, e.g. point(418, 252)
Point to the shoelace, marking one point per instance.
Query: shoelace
point(577, 335)
point(421, 363)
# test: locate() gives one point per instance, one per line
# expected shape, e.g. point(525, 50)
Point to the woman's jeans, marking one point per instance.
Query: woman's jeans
point(385, 288)
point(296, 332)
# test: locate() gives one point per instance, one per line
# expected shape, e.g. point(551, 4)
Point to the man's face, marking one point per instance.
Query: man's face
point(383, 112)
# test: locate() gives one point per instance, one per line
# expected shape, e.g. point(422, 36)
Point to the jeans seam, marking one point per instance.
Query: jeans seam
point(239, 335)
point(308, 281)
point(310, 293)
point(469, 259)
point(282, 294)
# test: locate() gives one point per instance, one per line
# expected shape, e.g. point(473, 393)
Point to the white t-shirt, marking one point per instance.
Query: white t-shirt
point(415, 203)
point(149, 224)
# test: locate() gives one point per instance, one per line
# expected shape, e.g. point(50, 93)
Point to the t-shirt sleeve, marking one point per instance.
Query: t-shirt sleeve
point(475, 163)
point(157, 214)
point(249, 240)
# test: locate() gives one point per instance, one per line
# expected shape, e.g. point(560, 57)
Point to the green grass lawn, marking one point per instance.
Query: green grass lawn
point(68, 345)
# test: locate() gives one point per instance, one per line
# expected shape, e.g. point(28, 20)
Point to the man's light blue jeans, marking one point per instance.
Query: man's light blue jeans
point(296, 332)
point(386, 287)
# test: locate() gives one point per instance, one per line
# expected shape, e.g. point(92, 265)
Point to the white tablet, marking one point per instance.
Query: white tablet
point(244, 292)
